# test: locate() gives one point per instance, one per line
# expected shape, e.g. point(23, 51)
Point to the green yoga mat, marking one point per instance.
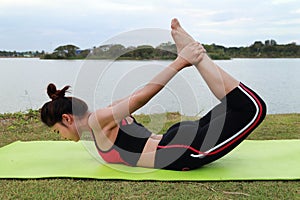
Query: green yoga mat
point(252, 160)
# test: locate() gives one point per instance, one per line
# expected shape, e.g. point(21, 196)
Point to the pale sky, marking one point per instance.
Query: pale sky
point(46, 24)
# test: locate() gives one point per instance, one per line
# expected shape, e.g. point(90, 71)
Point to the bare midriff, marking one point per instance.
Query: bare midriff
point(148, 155)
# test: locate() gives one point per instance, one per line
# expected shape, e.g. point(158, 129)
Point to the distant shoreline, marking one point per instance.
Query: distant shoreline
point(164, 51)
point(145, 59)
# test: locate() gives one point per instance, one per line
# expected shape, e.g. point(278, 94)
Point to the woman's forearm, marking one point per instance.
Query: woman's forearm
point(154, 86)
point(139, 98)
point(112, 115)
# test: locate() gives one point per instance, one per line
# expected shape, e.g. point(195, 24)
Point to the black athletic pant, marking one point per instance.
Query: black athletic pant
point(192, 144)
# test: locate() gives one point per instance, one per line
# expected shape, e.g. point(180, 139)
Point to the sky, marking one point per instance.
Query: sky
point(38, 25)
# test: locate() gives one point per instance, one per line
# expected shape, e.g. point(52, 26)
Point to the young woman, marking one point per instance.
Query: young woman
point(187, 145)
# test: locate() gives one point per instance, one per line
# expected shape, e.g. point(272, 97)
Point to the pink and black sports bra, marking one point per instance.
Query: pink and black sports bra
point(129, 144)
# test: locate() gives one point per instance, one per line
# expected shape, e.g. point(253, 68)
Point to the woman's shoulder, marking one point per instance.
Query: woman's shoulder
point(102, 119)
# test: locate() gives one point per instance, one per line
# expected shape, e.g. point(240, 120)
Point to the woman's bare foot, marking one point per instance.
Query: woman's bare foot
point(180, 36)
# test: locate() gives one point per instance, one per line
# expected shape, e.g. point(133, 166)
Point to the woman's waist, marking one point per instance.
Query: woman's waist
point(148, 155)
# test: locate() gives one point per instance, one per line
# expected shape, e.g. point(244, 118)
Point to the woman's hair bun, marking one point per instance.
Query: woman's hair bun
point(54, 94)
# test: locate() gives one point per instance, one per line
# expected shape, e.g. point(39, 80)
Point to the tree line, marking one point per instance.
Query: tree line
point(268, 49)
point(29, 54)
point(115, 51)
point(166, 51)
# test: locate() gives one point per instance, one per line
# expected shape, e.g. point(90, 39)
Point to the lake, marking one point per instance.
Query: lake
point(99, 82)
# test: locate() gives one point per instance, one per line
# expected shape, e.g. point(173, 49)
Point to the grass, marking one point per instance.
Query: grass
point(27, 127)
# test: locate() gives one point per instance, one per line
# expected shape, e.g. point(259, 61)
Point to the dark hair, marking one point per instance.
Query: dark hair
point(52, 111)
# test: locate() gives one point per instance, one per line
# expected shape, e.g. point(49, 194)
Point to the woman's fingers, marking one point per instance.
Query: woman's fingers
point(193, 53)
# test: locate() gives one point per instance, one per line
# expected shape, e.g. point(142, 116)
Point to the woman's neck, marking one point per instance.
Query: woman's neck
point(82, 123)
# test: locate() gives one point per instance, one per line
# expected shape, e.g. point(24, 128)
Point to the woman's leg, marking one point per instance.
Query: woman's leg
point(189, 145)
point(219, 82)
point(245, 111)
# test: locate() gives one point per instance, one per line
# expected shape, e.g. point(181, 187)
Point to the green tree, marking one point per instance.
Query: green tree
point(145, 52)
point(256, 48)
point(116, 51)
point(66, 51)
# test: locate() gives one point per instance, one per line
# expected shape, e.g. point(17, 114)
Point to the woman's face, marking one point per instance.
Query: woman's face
point(67, 128)
point(66, 132)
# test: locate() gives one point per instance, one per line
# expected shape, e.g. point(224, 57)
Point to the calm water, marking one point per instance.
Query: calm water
point(24, 82)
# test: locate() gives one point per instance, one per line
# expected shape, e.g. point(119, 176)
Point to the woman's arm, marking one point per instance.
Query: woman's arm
point(109, 117)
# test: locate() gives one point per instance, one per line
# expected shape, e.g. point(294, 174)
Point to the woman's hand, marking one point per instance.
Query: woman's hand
point(191, 54)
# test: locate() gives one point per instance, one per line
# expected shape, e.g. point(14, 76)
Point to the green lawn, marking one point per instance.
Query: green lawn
point(27, 127)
